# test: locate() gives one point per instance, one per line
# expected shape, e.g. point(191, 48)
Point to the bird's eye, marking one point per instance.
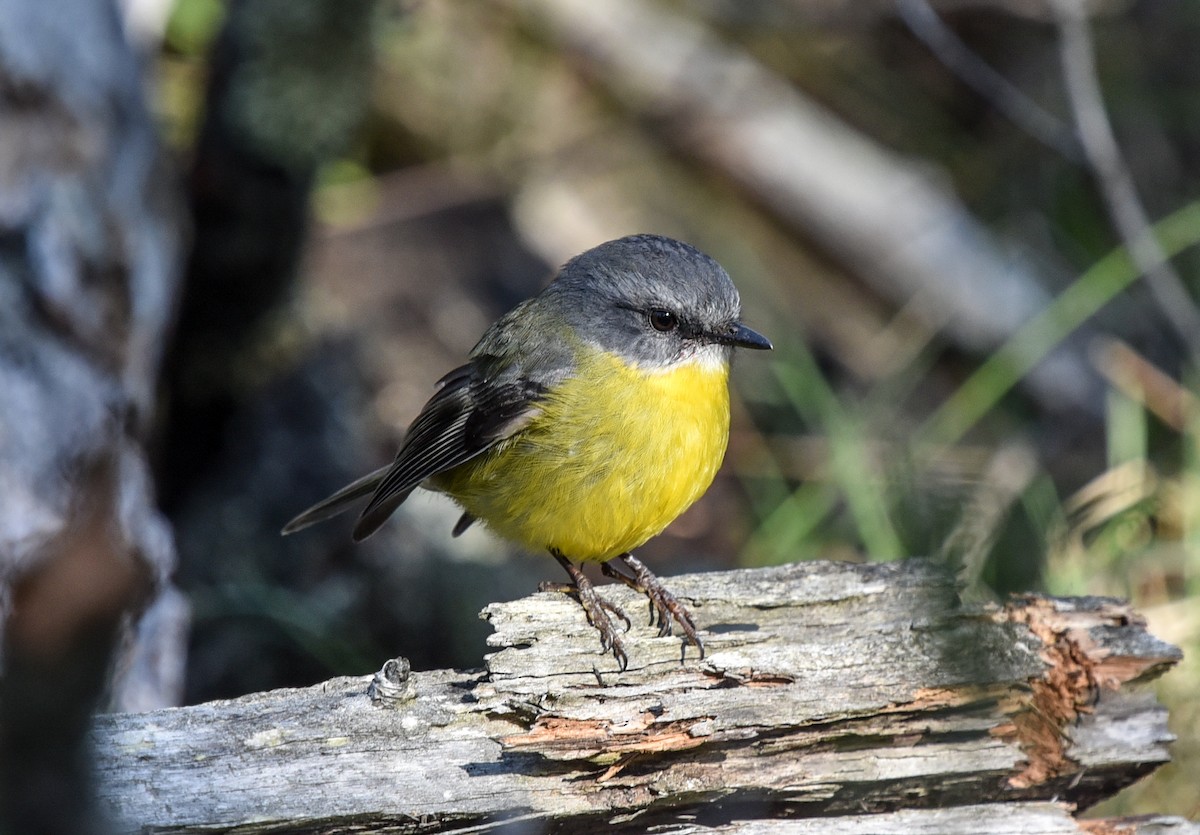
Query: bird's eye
point(663, 320)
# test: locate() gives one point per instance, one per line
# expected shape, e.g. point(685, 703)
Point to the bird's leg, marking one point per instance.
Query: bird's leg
point(656, 613)
point(594, 607)
point(662, 602)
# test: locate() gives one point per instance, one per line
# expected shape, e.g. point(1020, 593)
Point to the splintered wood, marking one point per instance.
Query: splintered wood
point(1082, 645)
point(862, 693)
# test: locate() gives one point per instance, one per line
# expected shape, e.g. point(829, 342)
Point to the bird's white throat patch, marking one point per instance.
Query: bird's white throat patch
point(711, 358)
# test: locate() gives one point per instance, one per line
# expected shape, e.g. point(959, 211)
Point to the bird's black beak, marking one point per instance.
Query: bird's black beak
point(741, 336)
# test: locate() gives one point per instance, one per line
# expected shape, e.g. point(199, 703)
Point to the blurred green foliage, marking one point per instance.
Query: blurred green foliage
point(192, 26)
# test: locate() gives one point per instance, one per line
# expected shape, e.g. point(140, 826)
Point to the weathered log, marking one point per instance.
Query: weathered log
point(868, 693)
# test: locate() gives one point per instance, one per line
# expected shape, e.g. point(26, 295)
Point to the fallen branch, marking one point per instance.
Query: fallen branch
point(886, 217)
point(862, 692)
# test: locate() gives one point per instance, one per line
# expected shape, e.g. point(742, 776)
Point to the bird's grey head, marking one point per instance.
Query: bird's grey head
point(654, 301)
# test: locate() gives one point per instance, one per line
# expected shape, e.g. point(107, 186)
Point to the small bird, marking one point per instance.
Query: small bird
point(586, 419)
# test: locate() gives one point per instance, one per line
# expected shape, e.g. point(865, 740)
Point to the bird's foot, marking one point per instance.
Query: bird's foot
point(595, 607)
point(664, 606)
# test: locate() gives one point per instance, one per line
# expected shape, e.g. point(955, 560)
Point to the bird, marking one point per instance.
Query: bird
point(585, 420)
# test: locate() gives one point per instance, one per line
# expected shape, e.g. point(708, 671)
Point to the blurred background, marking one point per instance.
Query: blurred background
point(967, 227)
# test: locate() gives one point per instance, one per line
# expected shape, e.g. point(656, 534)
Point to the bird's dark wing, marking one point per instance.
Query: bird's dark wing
point(471, 412)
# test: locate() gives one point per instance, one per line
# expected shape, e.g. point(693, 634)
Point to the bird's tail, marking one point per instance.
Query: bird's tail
point(337, 503)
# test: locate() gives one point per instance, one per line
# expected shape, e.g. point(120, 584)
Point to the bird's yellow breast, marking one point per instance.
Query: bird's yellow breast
point(615, 455)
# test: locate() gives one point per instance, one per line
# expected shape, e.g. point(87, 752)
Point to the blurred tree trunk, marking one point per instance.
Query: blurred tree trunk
point(288, 88)
point(89, 243)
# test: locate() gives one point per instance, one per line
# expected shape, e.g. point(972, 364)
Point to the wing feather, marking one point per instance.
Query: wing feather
point(469, 414)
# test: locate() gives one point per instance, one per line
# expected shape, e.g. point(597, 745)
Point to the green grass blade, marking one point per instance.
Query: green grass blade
point(1099, 285)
